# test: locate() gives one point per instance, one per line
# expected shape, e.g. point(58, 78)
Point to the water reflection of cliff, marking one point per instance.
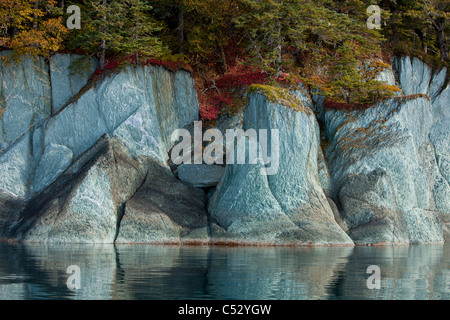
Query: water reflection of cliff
point(42, 271)
point(407, 273)
point(171, 272)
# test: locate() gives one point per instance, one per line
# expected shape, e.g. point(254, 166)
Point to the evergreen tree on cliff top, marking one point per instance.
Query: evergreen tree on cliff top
point(433, 17)
point(338, 53)
point(120, 27)
point(199, 31)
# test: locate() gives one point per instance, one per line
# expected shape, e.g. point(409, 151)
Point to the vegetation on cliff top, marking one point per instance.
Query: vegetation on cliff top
point(279, 95)
point(233, 44)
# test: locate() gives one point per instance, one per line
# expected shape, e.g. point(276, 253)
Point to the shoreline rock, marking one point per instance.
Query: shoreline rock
point(286, 207)
point(96, 169)
point(385, 174)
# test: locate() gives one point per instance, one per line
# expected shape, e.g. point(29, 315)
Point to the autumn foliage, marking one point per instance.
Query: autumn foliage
point(29, 29)
point(117, 62)
point(230, 45)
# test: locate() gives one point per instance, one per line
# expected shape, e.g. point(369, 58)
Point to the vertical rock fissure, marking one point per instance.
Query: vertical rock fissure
point(52, 107)
point(121, 208)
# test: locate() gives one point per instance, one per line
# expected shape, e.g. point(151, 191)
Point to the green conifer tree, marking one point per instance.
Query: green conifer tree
point(138, 32)
point(118, 27)
point(336, 50)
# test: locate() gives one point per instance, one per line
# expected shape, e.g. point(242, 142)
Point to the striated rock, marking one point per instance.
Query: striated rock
point(382, 166)
point(169, 102)
point(16, 166)
point(139, 106)
point(414, 75)
point(84, 204)
point(288, 207)
point(33, 90)
point(25, 97)
point(56, 157)
point(324, 173)
point(387, 163)
point(63, 119)
point(164, 210)
point(88, 162)
point(387, 76)
point(69, 73)
point(437, 86)
point(440, 138)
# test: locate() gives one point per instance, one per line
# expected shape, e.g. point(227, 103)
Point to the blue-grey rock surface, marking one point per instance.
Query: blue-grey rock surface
point(288, 207)
point(25, 97)
point(201, 175)
point(139, 106)
point(33, 90)
point(84, 204)
point(387, 163)
point(87, 161)
point(69, 73)
point(164, 210)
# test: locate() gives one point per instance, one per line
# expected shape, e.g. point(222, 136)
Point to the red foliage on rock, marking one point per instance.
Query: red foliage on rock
point(115, 62)
point(230, 81)
point(210, 104)
point(169, 65)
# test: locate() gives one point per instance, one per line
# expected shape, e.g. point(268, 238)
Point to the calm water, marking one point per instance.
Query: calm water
point(161, 272)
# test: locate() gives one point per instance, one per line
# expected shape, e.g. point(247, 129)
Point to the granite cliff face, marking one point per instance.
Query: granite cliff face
point(139, 107)
point(387, 163)
point(383, 169)
point(288, 207)
point(85, 161)
point(35, 89)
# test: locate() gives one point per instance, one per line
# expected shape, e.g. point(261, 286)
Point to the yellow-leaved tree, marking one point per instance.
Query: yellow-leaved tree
point(30, 28)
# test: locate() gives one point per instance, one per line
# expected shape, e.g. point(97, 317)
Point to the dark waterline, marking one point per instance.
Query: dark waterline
point(247, 273)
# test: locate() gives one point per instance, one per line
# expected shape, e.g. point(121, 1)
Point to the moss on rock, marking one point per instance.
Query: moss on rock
point(281, 96)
